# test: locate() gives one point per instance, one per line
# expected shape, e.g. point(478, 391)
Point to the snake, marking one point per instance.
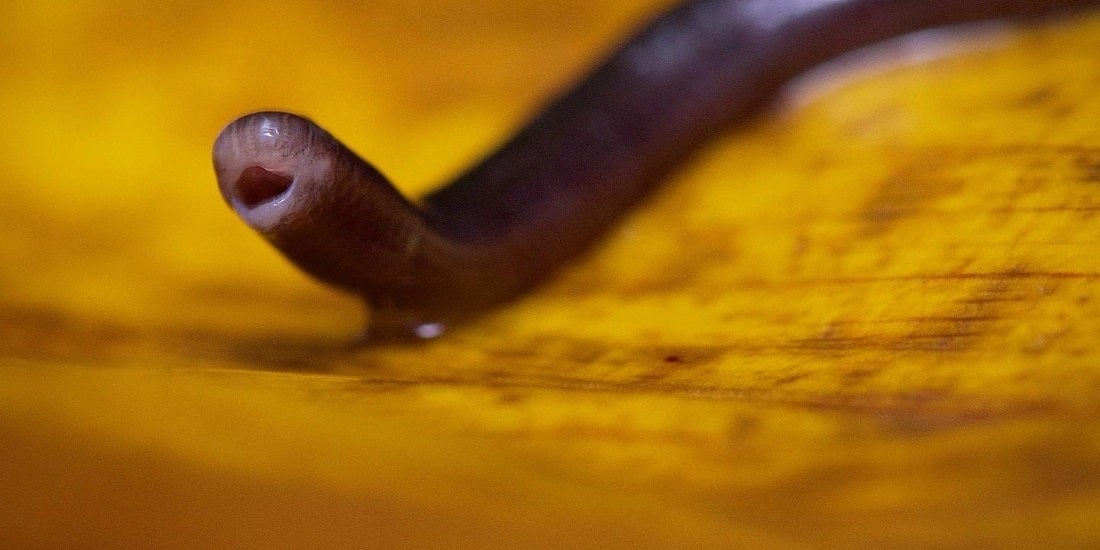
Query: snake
point(563, 178)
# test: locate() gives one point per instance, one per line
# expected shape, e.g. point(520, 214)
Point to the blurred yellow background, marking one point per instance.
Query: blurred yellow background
point(870, 318)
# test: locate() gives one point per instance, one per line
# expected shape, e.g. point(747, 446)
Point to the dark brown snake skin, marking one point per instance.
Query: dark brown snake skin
point(562, 179)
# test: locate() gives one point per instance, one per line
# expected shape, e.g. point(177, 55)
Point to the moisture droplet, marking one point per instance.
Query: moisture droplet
point(428, 331)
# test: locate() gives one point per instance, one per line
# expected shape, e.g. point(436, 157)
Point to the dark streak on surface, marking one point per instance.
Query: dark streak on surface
point(46, 334)
point(1039, 96)
point(1089, 167)
point(41, 333)
point(964, 321)
point(904, 194)
point(61, 337)
point(941, 404)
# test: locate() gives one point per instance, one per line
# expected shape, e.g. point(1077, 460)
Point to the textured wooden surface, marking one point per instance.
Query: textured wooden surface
point(871, 318)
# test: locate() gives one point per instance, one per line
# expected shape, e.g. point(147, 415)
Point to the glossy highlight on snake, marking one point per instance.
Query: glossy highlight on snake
point(556, 185)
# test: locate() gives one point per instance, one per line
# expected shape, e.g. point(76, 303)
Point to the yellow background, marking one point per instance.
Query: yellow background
point(869, 318)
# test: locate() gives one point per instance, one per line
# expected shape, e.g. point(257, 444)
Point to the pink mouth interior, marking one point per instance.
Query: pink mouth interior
point(257, 185)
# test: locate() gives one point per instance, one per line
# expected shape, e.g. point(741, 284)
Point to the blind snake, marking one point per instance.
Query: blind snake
point(564, 177)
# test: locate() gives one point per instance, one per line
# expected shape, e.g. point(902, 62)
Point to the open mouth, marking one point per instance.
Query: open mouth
point(256, 186)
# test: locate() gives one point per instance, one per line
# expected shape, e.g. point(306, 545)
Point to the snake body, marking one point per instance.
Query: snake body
point(564, 177)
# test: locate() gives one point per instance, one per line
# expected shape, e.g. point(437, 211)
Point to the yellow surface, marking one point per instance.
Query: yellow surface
point(871, 318)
